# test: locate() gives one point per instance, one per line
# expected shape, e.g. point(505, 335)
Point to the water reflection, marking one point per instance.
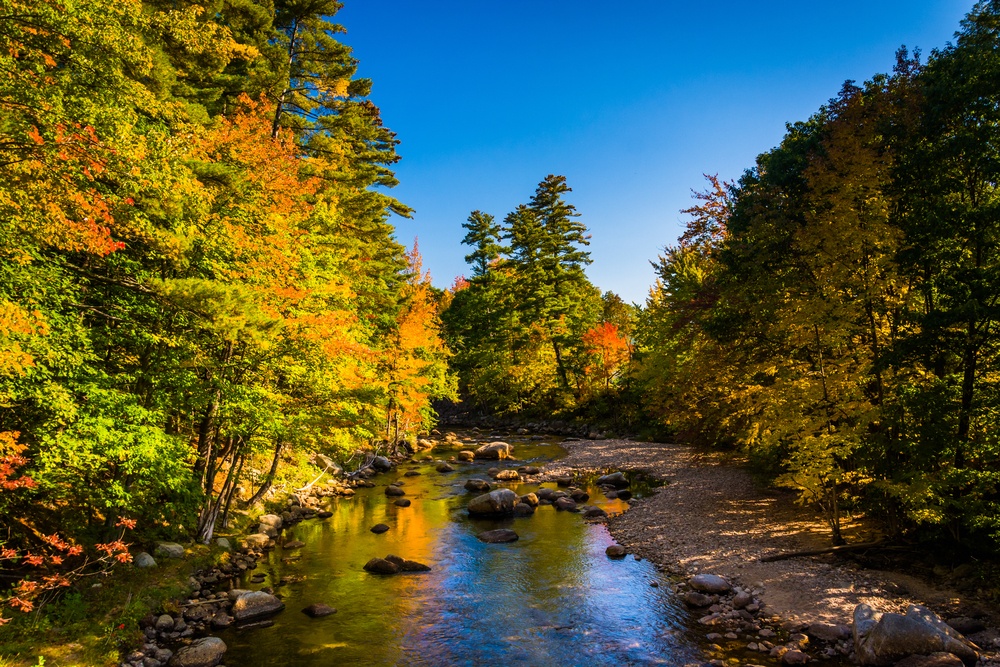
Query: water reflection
point(551, 598)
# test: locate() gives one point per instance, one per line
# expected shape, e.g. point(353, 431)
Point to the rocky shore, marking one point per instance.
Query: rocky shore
point(711, 519)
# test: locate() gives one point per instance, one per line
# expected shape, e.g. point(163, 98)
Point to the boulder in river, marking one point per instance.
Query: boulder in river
point(402, 502)
point(594, 513)
point(294, 544)
point(523, 509)
point(565, 504)
point(255, 605)
point(498, 502)
point(406, 565)
point(393, 490)
point(381, 566)
point(579, 496)
point(615, 479)
point(889, 639)
point(615, 551)
point(444, 467)
point(381, 464)
point(709, 583)
point(379, 528)
point(530, 499)
point(494, 450)
point(318, 610)
point(466, 455)
point(508, 476)
point(479, 485)
point(696, 599)
point(498, 536)
point(529, 470)
point(204, 652)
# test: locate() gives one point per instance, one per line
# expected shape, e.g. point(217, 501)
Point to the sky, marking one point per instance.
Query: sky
point(633, 101)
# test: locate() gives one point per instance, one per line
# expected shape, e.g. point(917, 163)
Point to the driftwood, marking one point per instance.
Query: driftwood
point(818, 552)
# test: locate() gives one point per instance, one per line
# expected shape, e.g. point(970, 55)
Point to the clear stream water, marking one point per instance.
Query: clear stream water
point(551, 598)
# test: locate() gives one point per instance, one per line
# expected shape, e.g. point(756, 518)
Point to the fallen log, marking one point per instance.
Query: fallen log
point(819, 552)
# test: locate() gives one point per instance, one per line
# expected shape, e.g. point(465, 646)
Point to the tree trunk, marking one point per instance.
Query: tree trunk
point(269, 477)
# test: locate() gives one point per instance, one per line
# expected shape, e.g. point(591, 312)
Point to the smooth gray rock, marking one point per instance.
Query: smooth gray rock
point(255, 541)
point(828, 632)
point(382, 464)
point(887, 640)
point(565, 504)
point(143, 560)
point(498, 536)
point(394, 491)
point(169, 550)
point(205, 652)
point(709, 583)
point(223, 543)
point(742, 599)
point(615, 479)
point(272, 520)
point(164, 623)
point(498, 502)
point(255, 605)
point(615, 551)
point(494, 451)
point(444, 467)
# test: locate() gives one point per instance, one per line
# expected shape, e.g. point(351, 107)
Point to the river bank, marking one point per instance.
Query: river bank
point(710, 517)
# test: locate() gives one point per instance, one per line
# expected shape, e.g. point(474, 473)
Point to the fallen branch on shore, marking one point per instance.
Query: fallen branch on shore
point(819, 552)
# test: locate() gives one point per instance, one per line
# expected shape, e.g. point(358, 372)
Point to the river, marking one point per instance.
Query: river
point(551, 598)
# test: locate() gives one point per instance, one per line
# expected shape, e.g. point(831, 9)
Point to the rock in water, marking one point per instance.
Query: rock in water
point(498, 536)
point(709, 583)
point(499, 502)
point(205, 652)
point(508, 476)
point(402, 502)
point(381, 566)
point(466, 455)
point(889, 639)
point(615, 551)
point(294, 544)
point(255, 605)
point(444, 467)
point(615, 479)
point(405, 565)
point(494, 450)
point(379, 528)
point(381, 464)
point(523, 509)
point(318, 609)
point(478, 485)
point(394, 491)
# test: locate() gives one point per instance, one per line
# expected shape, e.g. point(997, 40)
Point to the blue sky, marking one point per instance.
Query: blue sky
point(631, 101)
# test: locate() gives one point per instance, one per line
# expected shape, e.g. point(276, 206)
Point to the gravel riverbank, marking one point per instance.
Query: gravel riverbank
point(710, 517)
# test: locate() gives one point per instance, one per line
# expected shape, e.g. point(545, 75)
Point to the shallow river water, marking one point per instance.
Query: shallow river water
point(551, 598)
